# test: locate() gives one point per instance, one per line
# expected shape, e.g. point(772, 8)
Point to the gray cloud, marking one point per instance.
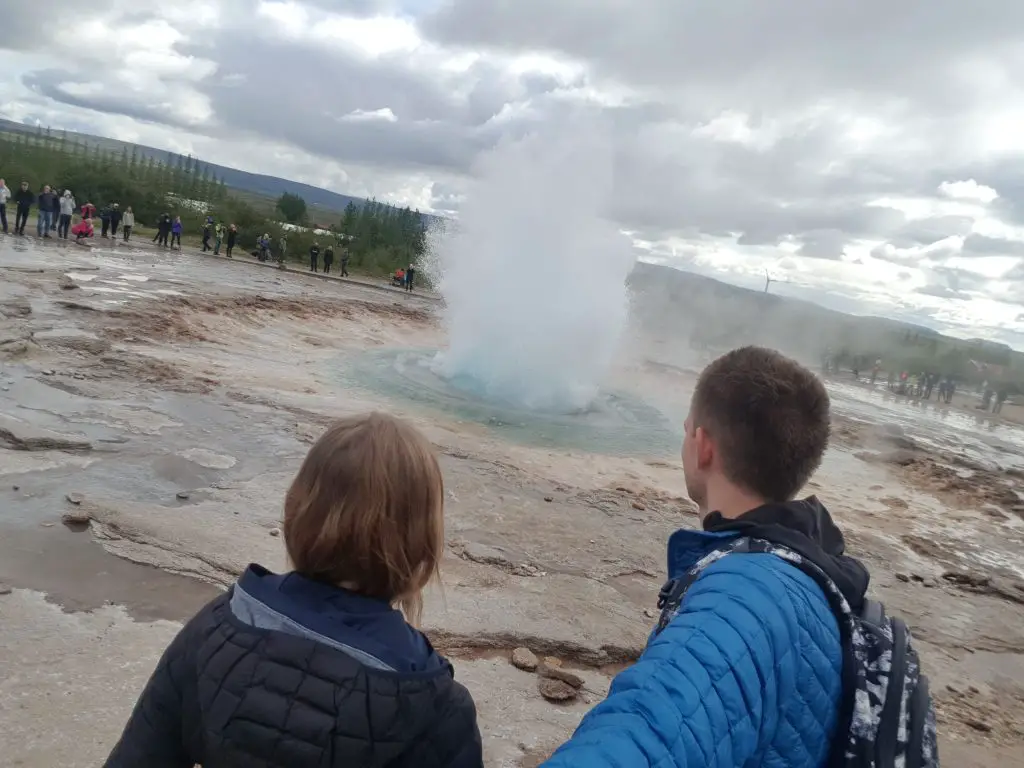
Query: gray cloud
point(823, 244)
point(746, 50)
point(930, 230)
point(980, 245)
point(51, 83)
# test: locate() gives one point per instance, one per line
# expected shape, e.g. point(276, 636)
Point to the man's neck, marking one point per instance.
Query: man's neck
point(730, 501)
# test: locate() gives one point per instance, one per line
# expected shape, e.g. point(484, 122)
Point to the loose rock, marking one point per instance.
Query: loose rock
point(524, 659)
point(549, 499)
point(556, 690)
point(66, 283)
point(275, 532)
point(75, 498)
point(557, 673)
point(552, 661)
point(5, 589)
point(183, 495)
point(638, 505)
point(76, 517)
point(902, 577)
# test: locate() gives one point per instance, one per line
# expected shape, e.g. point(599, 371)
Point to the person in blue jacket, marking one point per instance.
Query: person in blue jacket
point(749, 671)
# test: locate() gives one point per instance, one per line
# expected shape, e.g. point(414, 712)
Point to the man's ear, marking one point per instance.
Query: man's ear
point(705, 448)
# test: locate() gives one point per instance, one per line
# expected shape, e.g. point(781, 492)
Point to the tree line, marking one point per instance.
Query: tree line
point(379, 237)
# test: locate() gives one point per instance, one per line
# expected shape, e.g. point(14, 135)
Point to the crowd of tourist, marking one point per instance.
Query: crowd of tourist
point(55, 213)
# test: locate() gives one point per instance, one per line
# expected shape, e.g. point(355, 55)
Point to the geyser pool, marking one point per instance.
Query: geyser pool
point(613, 423)
point(534, 276)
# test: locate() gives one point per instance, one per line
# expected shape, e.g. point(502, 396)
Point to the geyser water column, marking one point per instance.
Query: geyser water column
point(534, 275)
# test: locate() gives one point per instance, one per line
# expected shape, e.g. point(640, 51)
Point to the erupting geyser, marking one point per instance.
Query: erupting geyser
point(534, 276)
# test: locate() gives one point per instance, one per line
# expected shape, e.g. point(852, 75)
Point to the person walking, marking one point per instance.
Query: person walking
point(128, 223)
point(314, 257)
point(48, 206)
point(176, 229)
point(232, 237)
point(23, 199)
point(767, 652)
point(328, 258)
point(115, 219)
point(67, 211)
point(344, 261)
point(5, 195)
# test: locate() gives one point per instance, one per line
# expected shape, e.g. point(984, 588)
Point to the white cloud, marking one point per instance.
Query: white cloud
point(968, 190)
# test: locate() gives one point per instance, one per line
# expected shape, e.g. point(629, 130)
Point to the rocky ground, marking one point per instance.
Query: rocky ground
point(153, 409)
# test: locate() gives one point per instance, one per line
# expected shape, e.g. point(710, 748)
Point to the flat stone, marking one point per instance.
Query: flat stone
point(75, 498)
point(556, 690)
point(183, 495)
point(25, 437)
point(5, 589)
point(524, 659)
point(552, 661)
point(557, 673)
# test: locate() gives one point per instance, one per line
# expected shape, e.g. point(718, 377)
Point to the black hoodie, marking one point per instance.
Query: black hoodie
point(806, 527)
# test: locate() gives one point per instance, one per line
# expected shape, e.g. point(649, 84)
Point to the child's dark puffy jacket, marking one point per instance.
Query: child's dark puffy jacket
point(232, 691)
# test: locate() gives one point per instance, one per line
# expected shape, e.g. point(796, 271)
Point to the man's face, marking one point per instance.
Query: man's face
point(24, 185)
point(696, 459)
point(46, 188)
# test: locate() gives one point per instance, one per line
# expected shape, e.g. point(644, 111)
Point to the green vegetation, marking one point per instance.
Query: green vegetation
point(379, 237)
point(292, 207)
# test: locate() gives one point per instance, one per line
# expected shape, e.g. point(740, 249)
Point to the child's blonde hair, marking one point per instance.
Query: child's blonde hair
point(366, 511)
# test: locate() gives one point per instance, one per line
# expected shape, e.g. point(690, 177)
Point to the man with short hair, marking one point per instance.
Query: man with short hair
point(24, 199)
point(49, 206)
point(746, 669)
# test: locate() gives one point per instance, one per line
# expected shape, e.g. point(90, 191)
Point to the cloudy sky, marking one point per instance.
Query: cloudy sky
point(869, 155)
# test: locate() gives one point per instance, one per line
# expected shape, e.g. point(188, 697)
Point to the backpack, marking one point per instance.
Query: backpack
point(887, 717)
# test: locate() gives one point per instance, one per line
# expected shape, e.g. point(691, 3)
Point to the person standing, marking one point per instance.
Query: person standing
point(232, 236)
point(5, 195)
point(163, 230)
point(410, 273)
point(115, 219)
point(218, 238)
point(760, 657)
point(319, 666)
point(207, 233)
point(344, 261)
point(282, 246)
point(328, 258)
point(314, 257)
point(128, 223)
point(48, 205)
point(176, 228)
point(105, 221)
point(23, 199)
point(67, 210)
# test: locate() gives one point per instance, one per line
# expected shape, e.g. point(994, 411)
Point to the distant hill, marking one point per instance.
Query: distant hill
point(672, 304)
point(253, 183)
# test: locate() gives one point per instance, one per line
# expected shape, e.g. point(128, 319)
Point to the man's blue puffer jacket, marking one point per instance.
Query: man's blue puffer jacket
point(747, 675)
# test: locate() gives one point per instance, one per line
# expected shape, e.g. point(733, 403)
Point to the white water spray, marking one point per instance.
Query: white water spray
point(534, 276)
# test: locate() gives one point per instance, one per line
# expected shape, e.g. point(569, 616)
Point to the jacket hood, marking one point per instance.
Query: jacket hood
point(367, 629)
point(805, 526)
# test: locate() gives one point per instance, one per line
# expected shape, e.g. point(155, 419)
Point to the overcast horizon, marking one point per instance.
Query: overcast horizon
point(865, 155)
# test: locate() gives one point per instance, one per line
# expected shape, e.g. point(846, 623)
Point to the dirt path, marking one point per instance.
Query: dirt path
point(172, 398)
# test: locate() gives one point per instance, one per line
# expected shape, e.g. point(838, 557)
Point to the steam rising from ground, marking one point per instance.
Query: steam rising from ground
point(534, 276)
